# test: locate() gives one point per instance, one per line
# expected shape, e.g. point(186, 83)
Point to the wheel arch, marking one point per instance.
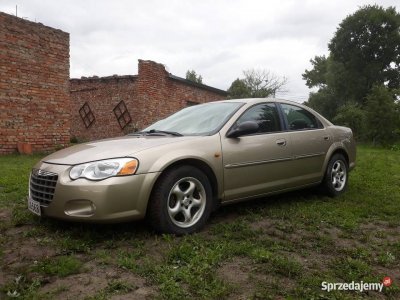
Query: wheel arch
point(202, 166)
point(335, 149)
point(340, 151)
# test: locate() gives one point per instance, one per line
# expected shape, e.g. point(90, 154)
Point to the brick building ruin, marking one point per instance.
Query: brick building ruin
point(41, 107)
point(111, 106)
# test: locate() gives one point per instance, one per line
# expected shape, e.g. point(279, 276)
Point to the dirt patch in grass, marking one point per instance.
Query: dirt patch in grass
point(5, 215)
point(19, 231)
point(4, 279)
point(5, 220)
point(381, 231)
point(317, 262)
point(237, 273)
point(264, 224)
point(96, 281)
point(19, 249)
point(156, 249)
point(336, 236)
point(142, 293)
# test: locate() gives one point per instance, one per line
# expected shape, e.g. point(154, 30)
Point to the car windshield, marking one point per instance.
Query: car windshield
point(199, 119)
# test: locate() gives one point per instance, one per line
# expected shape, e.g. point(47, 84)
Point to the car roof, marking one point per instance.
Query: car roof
point(257, 100)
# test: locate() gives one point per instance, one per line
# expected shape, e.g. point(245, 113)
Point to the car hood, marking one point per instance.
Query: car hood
point(109, 148)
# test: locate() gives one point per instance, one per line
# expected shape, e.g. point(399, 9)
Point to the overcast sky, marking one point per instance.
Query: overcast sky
point(218, 39)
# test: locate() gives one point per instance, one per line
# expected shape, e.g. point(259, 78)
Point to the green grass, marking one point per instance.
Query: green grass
point(60, 266)
point(14, 176)
point(281, 247)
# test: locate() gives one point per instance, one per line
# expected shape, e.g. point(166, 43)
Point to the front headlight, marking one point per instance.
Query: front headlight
point(103, 169)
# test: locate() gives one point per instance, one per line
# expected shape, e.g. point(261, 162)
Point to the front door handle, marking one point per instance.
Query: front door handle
point(281, 142)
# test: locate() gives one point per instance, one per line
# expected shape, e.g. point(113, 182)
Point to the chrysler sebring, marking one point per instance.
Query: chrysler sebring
point(178, 170)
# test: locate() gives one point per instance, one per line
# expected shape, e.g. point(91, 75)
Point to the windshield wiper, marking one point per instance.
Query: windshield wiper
point(159, 132)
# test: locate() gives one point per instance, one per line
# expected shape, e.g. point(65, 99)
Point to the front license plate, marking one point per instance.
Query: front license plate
point(34, 206)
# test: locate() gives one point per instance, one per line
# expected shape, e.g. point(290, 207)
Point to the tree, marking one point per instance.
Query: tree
point(239, 90)
point(363, 53)
point(324, 102)
point(367, 44)
point(316, 77)
point(256, 84)
point(193, 76)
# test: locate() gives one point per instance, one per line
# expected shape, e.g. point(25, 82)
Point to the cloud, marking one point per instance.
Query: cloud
point(218, 39)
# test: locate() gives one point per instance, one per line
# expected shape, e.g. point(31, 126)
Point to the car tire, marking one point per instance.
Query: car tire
point(181, 201)
point(336, 176)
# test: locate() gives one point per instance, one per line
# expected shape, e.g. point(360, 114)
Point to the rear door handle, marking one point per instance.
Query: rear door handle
point(327, 138)
point(281, 142)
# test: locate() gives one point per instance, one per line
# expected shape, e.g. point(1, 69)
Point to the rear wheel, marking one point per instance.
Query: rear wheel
point(181, 201)
point(336, 176)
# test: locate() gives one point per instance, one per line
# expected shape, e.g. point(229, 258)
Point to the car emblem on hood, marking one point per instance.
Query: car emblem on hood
point(39, 172)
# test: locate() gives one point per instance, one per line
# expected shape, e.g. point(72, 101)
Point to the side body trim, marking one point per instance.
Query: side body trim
point(262, 162)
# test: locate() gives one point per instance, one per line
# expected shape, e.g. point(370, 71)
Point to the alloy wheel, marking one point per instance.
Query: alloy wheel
point(186, 202)
point(338, 175)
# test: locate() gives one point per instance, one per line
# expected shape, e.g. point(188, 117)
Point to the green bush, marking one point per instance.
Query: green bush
point(382, 116)
point(353, 116)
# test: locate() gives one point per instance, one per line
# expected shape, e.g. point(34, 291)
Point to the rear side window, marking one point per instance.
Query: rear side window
point(299, 118)
point(266, 115)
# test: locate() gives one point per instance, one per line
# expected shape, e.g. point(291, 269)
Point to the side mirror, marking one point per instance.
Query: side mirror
point(248, 127)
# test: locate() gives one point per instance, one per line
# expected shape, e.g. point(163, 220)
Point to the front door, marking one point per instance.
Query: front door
point(259, 163)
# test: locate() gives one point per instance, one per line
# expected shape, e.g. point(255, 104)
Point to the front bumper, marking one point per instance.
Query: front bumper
point(115, 199)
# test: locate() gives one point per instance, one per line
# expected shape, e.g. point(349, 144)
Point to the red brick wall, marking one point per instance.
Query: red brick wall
point(151, 95)
point(102, 95)
point(34, 87)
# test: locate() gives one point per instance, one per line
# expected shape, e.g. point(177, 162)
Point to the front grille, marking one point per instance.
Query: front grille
point(42, 185)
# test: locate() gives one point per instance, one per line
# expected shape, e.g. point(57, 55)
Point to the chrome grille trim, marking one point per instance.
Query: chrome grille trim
point(42, 185)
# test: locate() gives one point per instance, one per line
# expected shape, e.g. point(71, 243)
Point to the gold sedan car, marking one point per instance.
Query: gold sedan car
point(178, 170)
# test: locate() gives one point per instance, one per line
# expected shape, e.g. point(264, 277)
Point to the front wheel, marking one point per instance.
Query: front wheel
point(181, 201)
point(336, 176)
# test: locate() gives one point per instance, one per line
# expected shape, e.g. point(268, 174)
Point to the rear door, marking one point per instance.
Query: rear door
point(310, 142)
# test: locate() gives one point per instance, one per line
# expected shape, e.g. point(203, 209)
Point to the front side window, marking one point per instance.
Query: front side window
point(299, 119)
point(266, 115)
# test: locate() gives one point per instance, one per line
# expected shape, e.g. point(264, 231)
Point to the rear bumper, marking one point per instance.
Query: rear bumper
point(115, 199)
